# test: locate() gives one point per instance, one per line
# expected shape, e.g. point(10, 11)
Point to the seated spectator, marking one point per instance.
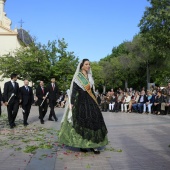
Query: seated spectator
point(96, 92)
point(119, 90)
point(63, 102)
point(61, 98)
point(98, 97)
point(111, 92)
point(104, 103)
point(150, 100)
point(108, 99)
point(125, 102)
point(120, 98)
point(168, 98)
point(134, 99)
point(152, 88)
point(116, 103)
point(138, 107)
point(158, 101)
point(165, 107)
point(112, 103)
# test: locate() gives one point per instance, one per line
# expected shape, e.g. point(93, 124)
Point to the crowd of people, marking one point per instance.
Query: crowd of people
point(82, 124)
point(155, 100)
point(14, 97)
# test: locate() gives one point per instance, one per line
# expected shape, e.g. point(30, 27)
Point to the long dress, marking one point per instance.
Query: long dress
point(88, 129)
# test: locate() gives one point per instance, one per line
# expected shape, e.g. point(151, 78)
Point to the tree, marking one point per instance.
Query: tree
point(97, 74)
point(41, 62)
point(29, 63)
point(155, 30)
point(155, 26)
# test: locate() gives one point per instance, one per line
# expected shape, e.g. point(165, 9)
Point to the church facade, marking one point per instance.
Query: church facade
point(9, 39)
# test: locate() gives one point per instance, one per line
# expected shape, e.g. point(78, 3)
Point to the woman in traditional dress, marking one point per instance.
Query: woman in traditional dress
point(83, 125)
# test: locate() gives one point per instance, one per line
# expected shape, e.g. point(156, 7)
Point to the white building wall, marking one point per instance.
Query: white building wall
point(8, 44)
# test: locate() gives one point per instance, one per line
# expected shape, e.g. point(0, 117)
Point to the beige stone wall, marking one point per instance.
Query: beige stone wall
point(8, 39)
point(8, 44)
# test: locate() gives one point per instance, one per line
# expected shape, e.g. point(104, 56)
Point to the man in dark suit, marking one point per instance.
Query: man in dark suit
point(138, 107)
point(53, 96)
point(26, 100)
point(1, 101)
point(42, 95)
point(11, 98)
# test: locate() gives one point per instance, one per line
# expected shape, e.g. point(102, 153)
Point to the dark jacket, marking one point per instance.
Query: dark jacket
point(144, 99)
point(9, 89)
point(98, 99)
point(53, 94)
point(160, 99)
point(113, 100)
point(26, 96)
point(40, 94)
point(1, 96)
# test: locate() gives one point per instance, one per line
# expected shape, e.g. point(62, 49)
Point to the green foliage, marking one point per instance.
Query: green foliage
point(128, 63)
point(97, 74)
point(150, 49)
point(154, 26)
point(41, 62)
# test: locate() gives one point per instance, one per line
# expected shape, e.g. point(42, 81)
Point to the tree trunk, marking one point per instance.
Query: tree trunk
point(104, 89)
point(126, 84)
point(147, 76)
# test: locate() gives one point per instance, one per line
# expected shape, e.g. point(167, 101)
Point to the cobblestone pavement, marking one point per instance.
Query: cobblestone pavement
point(136, 142)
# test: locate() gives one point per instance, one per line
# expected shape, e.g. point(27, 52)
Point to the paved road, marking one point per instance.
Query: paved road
point(137, 142)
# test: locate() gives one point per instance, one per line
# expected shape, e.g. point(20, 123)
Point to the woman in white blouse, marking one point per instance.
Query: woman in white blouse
point(125, 102)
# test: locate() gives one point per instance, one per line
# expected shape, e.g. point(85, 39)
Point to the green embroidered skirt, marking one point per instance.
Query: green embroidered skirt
point(70, 137)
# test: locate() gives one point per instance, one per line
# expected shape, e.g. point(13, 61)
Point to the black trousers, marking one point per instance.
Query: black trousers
point(43, 110)
point(157, 108)
point(116, 106)
point(104, 106)
point(26, 111)
point(0, 109)
point(167, 109)
point(12, 109)
point(52, 104)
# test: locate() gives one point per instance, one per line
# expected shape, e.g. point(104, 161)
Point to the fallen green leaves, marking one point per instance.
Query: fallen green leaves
point(26, 139)
point(45, 146)
point(113, 150)
point(3, 143)
point(88, 166)
point(30, 149)
point(31, 138)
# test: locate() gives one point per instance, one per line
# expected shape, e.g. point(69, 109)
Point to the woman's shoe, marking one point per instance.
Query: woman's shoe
point(128, 111)
point(83, 150)
point(95, 151)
